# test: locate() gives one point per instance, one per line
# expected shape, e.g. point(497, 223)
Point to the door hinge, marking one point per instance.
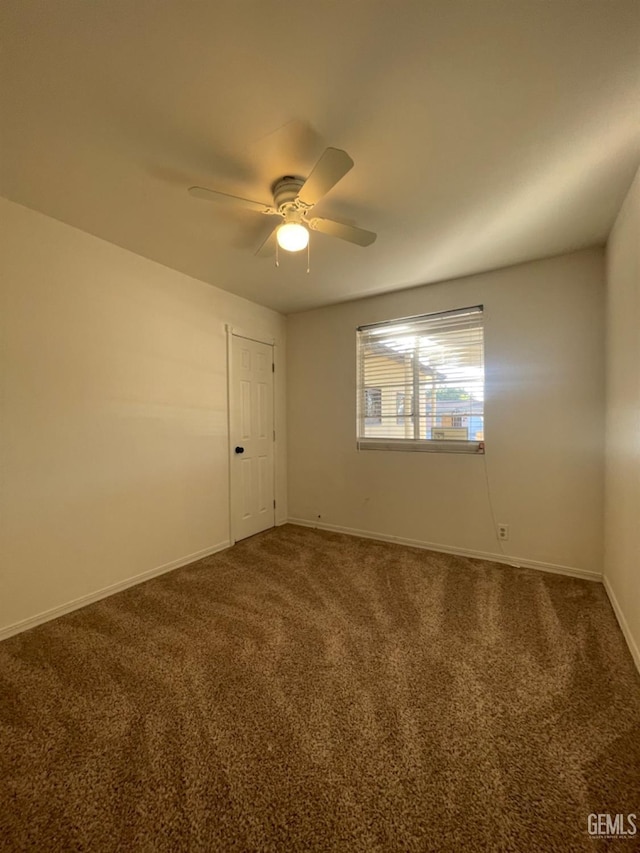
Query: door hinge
point(273, 367)
point(274, 504)
point(274, 435)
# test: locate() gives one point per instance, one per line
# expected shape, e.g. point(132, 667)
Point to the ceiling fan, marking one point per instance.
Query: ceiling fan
point(293, 200)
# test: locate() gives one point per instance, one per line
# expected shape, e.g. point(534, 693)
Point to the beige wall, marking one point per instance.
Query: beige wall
point(114, 414)
point(622, 481)
point(544, 421)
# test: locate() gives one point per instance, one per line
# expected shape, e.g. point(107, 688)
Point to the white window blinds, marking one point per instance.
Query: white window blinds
point(421, 383)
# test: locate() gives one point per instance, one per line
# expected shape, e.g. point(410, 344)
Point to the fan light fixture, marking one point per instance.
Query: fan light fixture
point(292, 236)
point(293, 200)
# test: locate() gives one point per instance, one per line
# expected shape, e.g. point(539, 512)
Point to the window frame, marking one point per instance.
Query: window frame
point(415, 444)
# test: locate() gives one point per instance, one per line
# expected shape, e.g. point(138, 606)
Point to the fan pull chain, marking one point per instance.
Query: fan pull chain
point(277, 255)
point(309, 256)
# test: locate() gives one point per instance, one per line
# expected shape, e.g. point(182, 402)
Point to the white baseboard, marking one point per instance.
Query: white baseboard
point(624, 625)
point(106, 591)
point(517, 562)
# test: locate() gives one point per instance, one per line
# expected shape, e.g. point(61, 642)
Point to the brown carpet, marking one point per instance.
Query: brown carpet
point(311, 691)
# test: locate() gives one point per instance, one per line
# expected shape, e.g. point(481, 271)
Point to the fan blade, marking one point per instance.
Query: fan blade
point(330, 168)
point(269, 245)
point(214, 195)
point(345, 232)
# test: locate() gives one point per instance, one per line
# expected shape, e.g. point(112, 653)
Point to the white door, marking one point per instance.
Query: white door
point(252, 437)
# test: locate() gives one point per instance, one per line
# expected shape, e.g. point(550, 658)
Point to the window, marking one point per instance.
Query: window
point(421, 383)
point(372, 406)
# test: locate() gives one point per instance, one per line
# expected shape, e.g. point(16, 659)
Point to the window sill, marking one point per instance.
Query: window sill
point(421, 446)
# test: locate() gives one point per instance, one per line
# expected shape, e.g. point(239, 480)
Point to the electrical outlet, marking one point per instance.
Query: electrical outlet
point(503, 532)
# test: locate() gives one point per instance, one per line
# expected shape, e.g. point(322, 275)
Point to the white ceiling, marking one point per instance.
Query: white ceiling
point(483, 133)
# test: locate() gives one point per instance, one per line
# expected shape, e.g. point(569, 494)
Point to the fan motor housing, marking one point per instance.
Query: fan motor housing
point(285, 190)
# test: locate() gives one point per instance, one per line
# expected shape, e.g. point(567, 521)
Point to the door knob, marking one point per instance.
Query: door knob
point(239, 449)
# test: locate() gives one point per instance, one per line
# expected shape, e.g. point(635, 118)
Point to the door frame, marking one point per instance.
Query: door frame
point(234, 331)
